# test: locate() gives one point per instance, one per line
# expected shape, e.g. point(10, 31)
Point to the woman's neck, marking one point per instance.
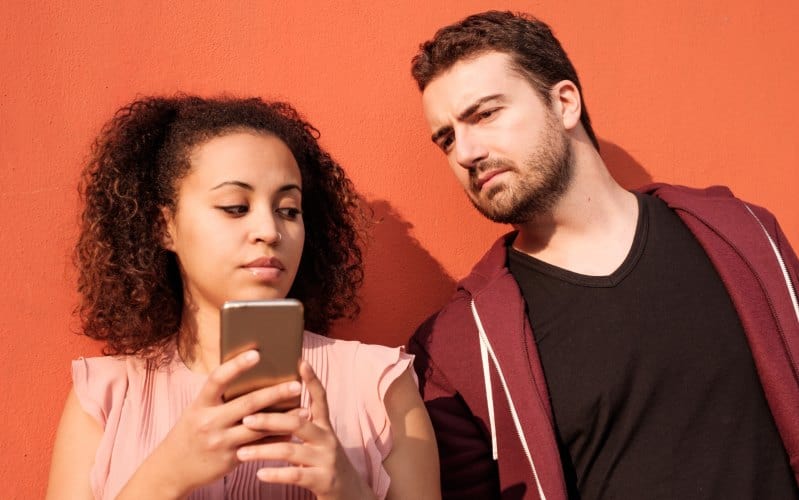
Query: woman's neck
point(198, 338)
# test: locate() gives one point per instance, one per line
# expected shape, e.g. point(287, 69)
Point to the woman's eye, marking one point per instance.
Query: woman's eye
point(236, 210)
point(289, 213)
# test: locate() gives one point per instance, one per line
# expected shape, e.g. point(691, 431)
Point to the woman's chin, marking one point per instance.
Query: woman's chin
point(259, 293)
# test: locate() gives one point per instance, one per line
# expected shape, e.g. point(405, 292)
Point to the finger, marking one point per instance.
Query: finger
point(276, 423)
point(278, 438)
point(223, 374)
point(255, 401)
point(241, 435)
point(292, 452)
point(306, 477)
point(316, 435)
point(319, 409)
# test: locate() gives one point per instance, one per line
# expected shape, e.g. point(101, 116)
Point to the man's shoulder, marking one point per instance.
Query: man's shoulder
point(713, 203)
point(448, 321)
point(456, 315)
point(675, 193)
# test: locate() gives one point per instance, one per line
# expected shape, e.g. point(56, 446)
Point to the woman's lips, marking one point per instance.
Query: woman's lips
point(265, 268)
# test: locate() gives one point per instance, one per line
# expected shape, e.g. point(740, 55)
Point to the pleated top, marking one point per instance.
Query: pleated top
point(137, 405)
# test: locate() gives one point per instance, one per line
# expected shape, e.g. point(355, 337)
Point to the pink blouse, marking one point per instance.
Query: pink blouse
point(137, 406)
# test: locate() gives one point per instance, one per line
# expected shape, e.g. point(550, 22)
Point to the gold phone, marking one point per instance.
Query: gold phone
point(273, 328)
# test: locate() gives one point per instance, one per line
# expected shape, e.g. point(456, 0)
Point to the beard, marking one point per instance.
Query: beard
point(540, 182)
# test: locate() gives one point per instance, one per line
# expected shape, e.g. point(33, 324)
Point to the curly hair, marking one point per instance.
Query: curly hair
point(130, 286)
point(536, 53)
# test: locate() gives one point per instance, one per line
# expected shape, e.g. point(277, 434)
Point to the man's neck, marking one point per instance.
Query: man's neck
point(591, 228)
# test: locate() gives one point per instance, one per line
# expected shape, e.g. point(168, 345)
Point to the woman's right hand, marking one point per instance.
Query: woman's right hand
point(202, 445)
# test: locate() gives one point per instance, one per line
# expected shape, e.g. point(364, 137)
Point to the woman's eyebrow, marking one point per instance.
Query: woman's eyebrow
point(240, 184)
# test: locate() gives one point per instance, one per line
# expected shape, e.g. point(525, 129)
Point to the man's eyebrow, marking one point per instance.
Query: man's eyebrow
point(465, 114)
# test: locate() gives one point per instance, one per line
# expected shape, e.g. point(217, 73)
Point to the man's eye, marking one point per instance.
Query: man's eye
point(446, 143)
point(234, 209)
point(289, 213)
point(486, 114)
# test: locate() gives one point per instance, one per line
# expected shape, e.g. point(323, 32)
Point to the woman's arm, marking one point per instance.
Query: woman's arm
point(76, 443)
point(202, 445)
point(412, 463)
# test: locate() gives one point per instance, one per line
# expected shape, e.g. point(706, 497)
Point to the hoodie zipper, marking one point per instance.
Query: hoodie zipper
point(781, 262)
point(485, 351)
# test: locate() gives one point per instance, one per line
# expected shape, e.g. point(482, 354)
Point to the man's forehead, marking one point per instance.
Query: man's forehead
point(465, 83)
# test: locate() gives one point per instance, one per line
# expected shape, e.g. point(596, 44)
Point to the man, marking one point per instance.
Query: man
point(616, 344)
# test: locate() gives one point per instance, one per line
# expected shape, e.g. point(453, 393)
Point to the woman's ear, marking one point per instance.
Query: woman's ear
point(567, 103)
point(167, 242)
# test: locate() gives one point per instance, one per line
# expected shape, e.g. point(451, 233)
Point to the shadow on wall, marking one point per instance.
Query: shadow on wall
point(403, 285)
point(627, 172)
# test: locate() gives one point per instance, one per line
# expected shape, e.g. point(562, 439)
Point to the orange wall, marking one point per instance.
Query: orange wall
point(688, 92)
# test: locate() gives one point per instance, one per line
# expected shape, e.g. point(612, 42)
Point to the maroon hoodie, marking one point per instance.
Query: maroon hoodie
point(479, 369)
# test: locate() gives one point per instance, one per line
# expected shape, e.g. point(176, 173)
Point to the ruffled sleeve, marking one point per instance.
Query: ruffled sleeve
point(99, 383)
point(383, 365)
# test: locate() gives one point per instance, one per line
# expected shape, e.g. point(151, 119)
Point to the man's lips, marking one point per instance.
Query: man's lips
point(266, 262)
point(487, 176)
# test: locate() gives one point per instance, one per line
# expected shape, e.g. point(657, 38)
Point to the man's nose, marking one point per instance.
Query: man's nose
point(469, 150)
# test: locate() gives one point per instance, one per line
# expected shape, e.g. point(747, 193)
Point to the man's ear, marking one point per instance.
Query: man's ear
point(167, 242)
point(567, 103)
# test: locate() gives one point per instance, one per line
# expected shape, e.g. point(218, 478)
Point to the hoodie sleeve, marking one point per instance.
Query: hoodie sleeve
point(467, 469)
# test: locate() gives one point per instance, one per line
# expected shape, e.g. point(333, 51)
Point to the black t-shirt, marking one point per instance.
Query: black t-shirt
point(653, 386)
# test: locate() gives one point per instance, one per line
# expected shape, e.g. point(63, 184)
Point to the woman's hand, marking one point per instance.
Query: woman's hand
point(202, 445)
point(320, 463)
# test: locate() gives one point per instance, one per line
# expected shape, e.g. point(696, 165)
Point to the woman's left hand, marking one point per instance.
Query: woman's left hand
point(319, 462)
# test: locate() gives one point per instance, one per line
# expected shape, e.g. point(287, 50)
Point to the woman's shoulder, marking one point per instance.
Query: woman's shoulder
point(355, 355)
point(106, 370)
point(101, 382)
point(358, 370)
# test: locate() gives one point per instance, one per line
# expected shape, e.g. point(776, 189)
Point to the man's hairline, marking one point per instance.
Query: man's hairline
point(514, 66)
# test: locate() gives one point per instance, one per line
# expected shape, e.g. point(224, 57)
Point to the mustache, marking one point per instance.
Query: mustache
point(488, 165)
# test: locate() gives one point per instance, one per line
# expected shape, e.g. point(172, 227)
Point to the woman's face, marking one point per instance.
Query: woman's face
point(237, 229)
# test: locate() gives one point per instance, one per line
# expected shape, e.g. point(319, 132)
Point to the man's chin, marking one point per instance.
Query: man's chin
point(493, 213)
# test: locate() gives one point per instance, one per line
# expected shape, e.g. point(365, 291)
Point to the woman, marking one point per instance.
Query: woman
point(182, 195)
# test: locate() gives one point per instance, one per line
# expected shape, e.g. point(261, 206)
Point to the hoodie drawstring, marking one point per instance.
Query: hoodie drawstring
point(485, 351)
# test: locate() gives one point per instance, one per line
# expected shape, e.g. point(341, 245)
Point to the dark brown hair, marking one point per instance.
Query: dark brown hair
point(535, 52)
point(130, 286)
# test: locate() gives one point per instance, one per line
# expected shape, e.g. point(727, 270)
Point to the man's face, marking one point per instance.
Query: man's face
point(506, 146)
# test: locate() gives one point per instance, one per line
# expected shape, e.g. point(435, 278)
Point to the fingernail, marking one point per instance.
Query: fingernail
point(251, 356)
point(295, 387)
point(243, 453)
point(248, 420)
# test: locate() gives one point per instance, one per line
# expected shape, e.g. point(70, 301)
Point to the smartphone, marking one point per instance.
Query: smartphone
point(273, 328)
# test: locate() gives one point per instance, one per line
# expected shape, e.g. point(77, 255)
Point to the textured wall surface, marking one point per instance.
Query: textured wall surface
point(688, 92)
